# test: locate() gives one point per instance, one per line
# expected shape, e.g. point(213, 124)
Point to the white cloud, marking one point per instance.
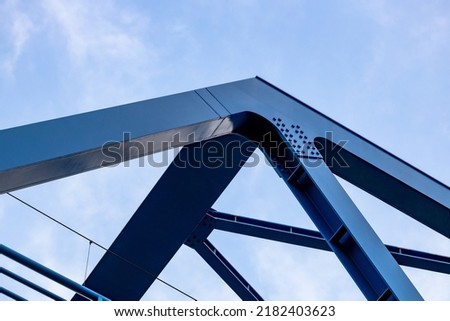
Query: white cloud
point(406, 38)
point(380, 11)
point(18, 28)
point(280, 271)
point(188, 272)
point(94, 31)
point(431, 38)
point(108, 55)
point(2, 207)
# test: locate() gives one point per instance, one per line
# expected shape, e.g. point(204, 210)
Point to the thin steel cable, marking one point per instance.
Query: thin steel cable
point(87, 261)
point(101, 246)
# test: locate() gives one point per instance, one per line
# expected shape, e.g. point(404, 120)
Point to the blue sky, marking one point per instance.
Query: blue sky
point(381, 68)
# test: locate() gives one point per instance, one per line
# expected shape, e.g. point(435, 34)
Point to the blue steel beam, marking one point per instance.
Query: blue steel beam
point(171, 211)
point(226, 271)
point(314, 239)
point(198, 241)
point(349, 235)
point(30, 284)
point(45, 151)
point(267, 230)
point(420, 260)
point(11, 294)
point(338, 219)
point(52, 275)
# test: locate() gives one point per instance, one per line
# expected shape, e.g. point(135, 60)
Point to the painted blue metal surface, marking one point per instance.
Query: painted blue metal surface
point(349, 235)
point(62, 147)
point(314, 239)
point(343, 226)
point(370, 167)
point(267, 230)
point(214, 220)
point(227, 272)
point(30, 284)
point(43, 270)
point(165, 219)
point(197, 240)
point(304, 146)
point(11, 294)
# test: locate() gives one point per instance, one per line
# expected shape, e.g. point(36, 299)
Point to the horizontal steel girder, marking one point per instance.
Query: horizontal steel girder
point(314, 239)
point(215, 220)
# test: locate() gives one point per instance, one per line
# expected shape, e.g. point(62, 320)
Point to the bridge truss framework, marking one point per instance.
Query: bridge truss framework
point(219, 128)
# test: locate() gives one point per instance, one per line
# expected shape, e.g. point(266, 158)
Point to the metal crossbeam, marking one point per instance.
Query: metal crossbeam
point(214, 220)
point(267, 230)
point(197, 240)
point(314, 239)
point(420, 260)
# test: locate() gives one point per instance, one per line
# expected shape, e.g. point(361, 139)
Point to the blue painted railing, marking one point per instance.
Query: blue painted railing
point(43, 270)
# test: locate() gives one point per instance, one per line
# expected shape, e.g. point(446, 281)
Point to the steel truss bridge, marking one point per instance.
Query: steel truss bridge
point(219, 127)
